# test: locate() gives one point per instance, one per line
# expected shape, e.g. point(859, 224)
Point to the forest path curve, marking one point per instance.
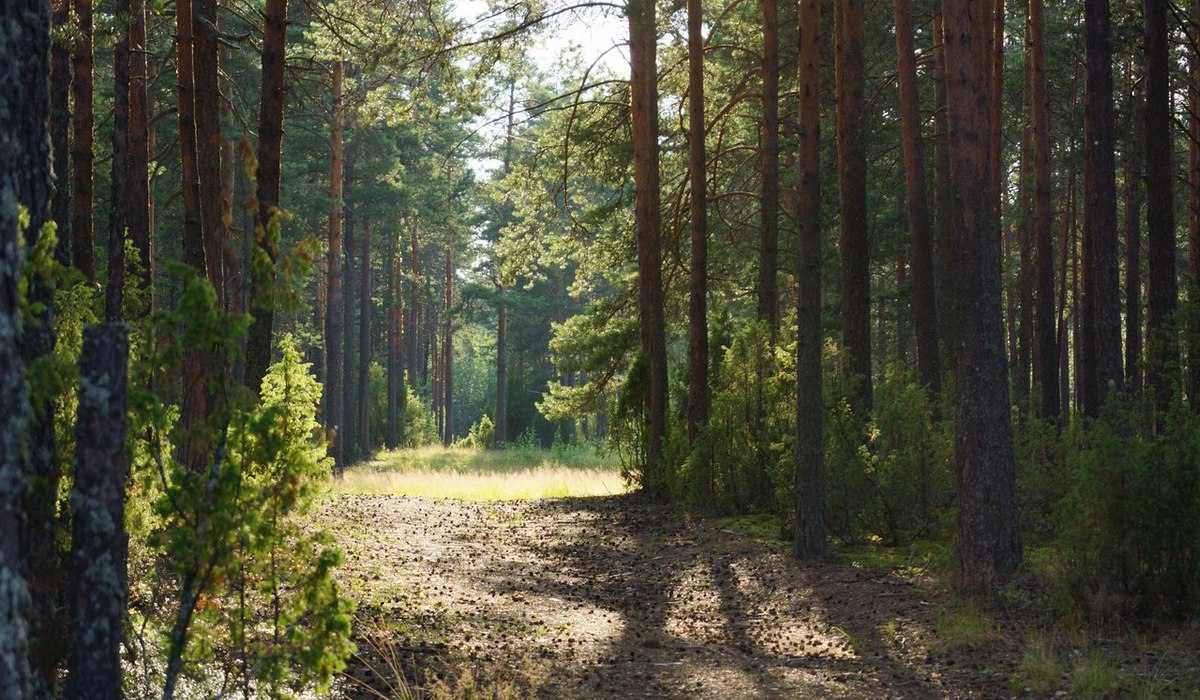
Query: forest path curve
point(616, 597)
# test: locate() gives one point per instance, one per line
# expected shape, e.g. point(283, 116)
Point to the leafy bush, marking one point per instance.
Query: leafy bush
point(1131, 523)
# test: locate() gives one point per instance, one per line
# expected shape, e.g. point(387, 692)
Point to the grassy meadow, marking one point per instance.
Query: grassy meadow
point(516, 473)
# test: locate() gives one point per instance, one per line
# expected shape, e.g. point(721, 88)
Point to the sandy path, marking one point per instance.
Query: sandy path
point(617, 598)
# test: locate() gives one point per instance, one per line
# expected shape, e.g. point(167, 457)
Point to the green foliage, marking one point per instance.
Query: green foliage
point(892, 478)
point(482, 435)
point(1130, 526)
point(419, 426)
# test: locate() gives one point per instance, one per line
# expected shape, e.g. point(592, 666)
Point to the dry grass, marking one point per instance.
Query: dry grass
point(483, 475)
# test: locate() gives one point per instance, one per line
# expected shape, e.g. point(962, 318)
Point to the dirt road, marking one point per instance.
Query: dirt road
point(618, 598)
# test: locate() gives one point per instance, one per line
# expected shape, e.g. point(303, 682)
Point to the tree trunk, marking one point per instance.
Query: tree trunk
point(60, 129)
point(1193, 253)
point(392, 311)
point(996, 104)
point(99, 545)
point(1045, 349)
point(1133, 259)
point(854, 240)
point(810, 538)
point(270, 144)
point(448, 349)
point(333, 261)
point(698, 406)
point(944, 252)
point(643, 52)
point(989, 545)
point(24, 179)
point(919, 236)
point(1101, 278)
point(1163, 293)
point(768, 236)
point(364, 343)
point(350, 358)
point(114, 293)
point(137, 191)
point(208, 138)
point(82, 146)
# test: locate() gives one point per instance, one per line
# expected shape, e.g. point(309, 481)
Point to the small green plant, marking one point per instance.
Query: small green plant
point(1040, 669)
point(1095, 676)
point(964, 627)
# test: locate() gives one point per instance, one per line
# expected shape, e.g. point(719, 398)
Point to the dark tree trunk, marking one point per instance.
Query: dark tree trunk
point(989, 544)
point(1101, 278)
point(392, 309)
point(25, 178)
point(208, 138)
point(643, 52)
point(1193, 252)
point(334, 322)
point(698, 406)
point(810, 538)
point(448, 348)
point(920, 238)
point(270, 144)
point(60, 129)
point(99, 545)
point(768, 236)
point(82, 146)
point(349, 318)
point(854, 238)
point(1045, 348)
point(137, 191)
point(1133, 270)
point(364, 342)
point(1163, 293)
point(501, 373)
point(944, 253)
point(114, 293)
point(996, 104)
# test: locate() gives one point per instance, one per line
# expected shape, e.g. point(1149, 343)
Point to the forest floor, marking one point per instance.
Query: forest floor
point(614, 597)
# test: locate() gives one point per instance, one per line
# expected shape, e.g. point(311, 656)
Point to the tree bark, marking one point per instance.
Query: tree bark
point(854, 238)
point(349, 318)
point(989, 545)
point(268, 175)
point(137, 192)
point(60, 129)
point(114, 293)
point(448, 348)
point(810, 539)
point(768, 236)
point(392, 311)
point(99, 545)
point(944, 252)
point(643, 51)
point(1193, 252)
point(699, 403)
point(1162, 288)
point(82, 147)
point(1045, 349)
point(364, 342)
point(333, 259)
point(208, 138)
point(920, 239)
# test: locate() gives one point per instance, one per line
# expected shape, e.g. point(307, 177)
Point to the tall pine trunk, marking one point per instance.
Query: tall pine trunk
point(1045, 347)
point(854, 238)
point(82, 145)
point(944, 251)
point(137, 191)
point(810, 539)
point(768, 232)
point(334, 277)
point(698, 406)
point(989, 545)
point(643, 53)
point(208, 138)
point(267, 177)
point(364, 342)
point(920, 238)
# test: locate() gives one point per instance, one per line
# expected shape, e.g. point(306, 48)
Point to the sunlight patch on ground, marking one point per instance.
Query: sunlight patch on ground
point(554, 482)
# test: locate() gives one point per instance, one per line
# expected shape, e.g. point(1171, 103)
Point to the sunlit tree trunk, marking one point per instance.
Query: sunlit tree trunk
point(989, 545)
point(350, 302)
point(448, 347)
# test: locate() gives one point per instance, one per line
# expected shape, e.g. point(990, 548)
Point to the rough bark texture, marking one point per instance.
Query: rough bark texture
point(920, 238)
point(989, 544)
point(60, 129)
point(943, 229)
point(208, 138)
point(82, 145)
point(698, 406)
point(768, 232)
point(1045, 348)
point(643, 53)
point(1101, 283)
point(364, 341)
point(25, 181)
point(333, 317)
point(349, 335)
point(266, 236)
point(193, 228)
point(1193, 252)
point(854, 239)
point(99, 545)
point(1162, 287)
point(137, 190)
point(810, 538)
point(119, 196)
